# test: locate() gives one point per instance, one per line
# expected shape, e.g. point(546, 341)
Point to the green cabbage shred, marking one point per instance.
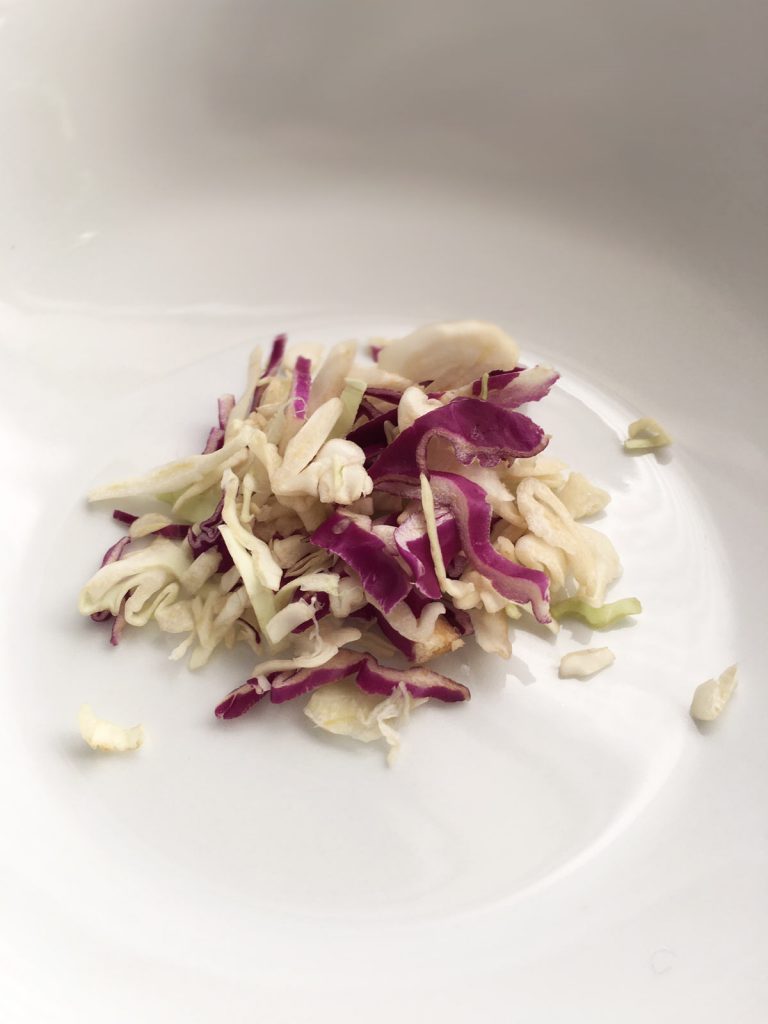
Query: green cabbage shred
point(597, 618)
point(351, 397)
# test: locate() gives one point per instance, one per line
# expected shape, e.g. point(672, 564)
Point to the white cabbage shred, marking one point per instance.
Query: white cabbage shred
point(102, 735)
point(414, 403)
point(342, 709)
point(450, 354)
point(581, 664)
point(247, 574)
point(646, 434)
point(710, 697)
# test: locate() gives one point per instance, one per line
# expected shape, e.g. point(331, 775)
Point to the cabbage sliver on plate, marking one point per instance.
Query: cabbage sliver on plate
point(356, 519)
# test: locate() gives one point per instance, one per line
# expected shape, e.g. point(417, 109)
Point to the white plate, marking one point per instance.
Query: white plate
point(553, 850)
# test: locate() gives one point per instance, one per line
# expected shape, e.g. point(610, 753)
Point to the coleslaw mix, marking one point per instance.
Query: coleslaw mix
point(356, 519)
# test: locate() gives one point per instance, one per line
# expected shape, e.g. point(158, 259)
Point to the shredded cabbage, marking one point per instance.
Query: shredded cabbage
point(597, 618)
point(492, 631)
point(289, 619)
point(710, 697)
point(351, 397)
point(537, 553)
point(200, 571)
point(413, 404)
point(152, 522)
point(450, 354)
point(589, 556)
point(646, 434)
point(353, 511)
point(474, 430)
point(344, 710)
point(266, 569)
point(581, 497)
point(181, 475)
point(259, 593)
point(332, 379)
point(581, 664)
point(102, 735)
point(456, 589)
point(151, 569)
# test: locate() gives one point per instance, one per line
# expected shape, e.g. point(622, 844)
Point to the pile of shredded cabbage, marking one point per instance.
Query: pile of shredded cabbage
point(347, 519)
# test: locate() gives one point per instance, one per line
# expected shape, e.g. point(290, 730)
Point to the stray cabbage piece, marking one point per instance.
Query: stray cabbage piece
point(710, 697)
point(581, 664)
point(450, 354)
point(646, 434)
point(597, 618)
point(342, 709)
point(102, 735)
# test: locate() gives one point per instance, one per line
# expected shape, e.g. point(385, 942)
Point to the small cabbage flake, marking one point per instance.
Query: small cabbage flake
point(646, 434)
point(597, 617)
point(710, 698)
point(343, 709)
point(582, 664)
point(100, 734)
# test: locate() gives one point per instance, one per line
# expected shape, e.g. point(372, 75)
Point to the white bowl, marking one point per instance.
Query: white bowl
point(180, 180)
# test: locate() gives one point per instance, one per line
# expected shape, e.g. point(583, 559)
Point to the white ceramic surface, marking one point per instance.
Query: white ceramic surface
point(178, 183)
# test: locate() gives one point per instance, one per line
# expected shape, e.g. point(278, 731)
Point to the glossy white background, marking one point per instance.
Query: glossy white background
point(179, 183)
